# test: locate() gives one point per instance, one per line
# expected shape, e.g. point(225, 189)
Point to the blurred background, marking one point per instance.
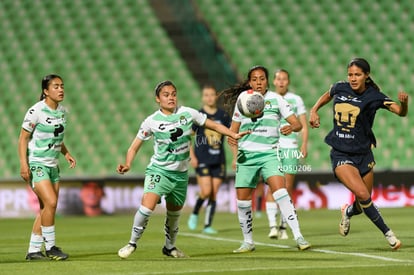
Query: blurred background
point(112, 53)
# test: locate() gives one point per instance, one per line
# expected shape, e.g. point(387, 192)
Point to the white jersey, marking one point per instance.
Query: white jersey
point(172, 137)
point(265, 129)
point(298, 107)
point(47, 127)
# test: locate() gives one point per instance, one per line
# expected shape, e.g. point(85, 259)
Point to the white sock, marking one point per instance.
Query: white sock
point(48, 233)
point(244, 212)
point(271, 211)
point(283, 222)
point(36, 242)
point(171, 228)
point(140, 222)
point(287, 209)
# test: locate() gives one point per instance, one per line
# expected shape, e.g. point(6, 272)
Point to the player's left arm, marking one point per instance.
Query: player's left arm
point(294, 125)
point(402, 108)
point(64, 150)
point(224, 130)
point(304, 134)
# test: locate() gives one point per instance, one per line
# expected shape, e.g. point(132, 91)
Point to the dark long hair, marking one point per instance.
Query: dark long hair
point(228, 97)
point(366, 68)
point(45, 83)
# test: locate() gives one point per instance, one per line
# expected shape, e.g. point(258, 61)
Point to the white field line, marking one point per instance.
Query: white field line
point(201, 236)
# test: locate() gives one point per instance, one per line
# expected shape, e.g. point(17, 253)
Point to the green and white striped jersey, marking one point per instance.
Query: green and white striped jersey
point(298, 107)
point(47, 128)
point(172, 137)
point(265, 129)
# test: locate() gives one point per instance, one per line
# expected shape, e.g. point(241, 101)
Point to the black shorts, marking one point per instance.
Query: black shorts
point(214, 171)
point(363, 162)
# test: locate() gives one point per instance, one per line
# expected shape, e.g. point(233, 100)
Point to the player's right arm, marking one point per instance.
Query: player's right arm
point(130, 155)
point(24, 139)
point(314, 119)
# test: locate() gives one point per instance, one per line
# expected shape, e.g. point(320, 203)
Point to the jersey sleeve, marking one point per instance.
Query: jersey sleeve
point(285, 108)
point(332, 90)
point(30, 120)
point(301, 109)
point(385, 102)
point(145, 132)
point(198, 117)
point(237, 116)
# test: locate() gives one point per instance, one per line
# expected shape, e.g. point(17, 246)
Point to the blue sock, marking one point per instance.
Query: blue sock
point(374, 215)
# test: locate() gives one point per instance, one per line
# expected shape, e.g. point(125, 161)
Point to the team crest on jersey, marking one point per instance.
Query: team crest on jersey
point(268, 105)
point(151, 186)
point(183, 120)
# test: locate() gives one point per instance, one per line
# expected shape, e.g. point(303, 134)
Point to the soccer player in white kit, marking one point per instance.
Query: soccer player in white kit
point(40, 144)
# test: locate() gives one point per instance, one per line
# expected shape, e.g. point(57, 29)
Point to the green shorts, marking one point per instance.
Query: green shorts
point(252, 165)
point(289, 158)
point(170, 184)
point(41, 172)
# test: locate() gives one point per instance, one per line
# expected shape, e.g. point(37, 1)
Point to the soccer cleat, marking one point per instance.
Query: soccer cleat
point(392, 240)
point(345, 223)
point(36, 256)
point(283, 233)
point(273, 234)
point(302, 244)
point(55, 253)
point(127, 250)
point(209, 230)
point(173, 252)
point(192, 222)
point(245, 247)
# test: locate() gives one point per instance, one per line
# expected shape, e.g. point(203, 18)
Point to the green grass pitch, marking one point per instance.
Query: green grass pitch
point(93, 244)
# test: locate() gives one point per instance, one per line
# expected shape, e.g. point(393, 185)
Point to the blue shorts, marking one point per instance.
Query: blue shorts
point(363, 162)
point(214, 171)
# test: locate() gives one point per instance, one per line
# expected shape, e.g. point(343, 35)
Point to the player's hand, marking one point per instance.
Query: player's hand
point(304, 151)
point(25, 173)
point(71, 160)
point(286, 130)
point(241, 134)
point(121, 169)
point(403, 97)
point(314, 120)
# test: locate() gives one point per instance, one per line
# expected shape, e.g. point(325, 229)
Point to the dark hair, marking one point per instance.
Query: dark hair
point(209, 86)
point(366, 68)
point(228, 97)
point(162, 85)
point(46, 81)
point(282, 71)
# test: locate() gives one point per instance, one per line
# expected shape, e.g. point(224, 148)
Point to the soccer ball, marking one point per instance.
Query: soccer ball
point(250, 103)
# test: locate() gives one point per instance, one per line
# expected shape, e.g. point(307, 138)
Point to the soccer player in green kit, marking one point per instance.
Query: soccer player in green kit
point(40, 144)
point(256, 155)
point(167, 173)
